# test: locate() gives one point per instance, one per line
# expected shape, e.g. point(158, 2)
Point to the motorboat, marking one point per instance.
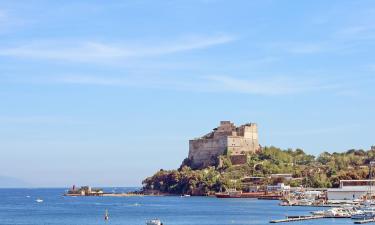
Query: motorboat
point(39, 200)
point(338, 213)
point(318, 213)
point(231, 193)
point(154, 222)
point(363, 216)
point(106, 215)
point(367, 212)
point(305, 202)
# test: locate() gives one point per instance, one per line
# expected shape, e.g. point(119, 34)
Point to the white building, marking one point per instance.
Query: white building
point(278, 187)
point(356, 190)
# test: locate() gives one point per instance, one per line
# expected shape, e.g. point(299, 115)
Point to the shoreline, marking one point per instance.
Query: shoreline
point(118, 195)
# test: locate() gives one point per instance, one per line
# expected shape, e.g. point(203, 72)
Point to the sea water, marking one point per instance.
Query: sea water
point(19, 207)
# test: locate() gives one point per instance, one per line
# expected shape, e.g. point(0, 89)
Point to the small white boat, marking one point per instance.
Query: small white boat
point(338, 213)
point(184, 196)
point(305, 202)
point(106, 215)
point(39, 200)
point(318, 213)
point(154, 222)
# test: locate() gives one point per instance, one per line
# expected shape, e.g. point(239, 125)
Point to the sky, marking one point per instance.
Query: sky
point(105, 93)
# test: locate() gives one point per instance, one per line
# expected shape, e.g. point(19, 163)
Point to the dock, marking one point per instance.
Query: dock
point(364, 221)
point(296, 218)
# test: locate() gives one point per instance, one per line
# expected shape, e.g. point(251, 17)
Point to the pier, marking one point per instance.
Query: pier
point(296, 218)
point(312, 217)
point(364, 221)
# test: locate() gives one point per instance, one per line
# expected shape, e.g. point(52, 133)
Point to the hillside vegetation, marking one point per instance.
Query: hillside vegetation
point(323, 171)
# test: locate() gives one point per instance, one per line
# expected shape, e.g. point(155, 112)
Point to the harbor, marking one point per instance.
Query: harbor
point(353, 199)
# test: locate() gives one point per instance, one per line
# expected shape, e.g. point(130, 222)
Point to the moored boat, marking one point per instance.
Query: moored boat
point(106, 215)
point(154, 222)
point(232, 193)
point(337, 213)
point(363, 216)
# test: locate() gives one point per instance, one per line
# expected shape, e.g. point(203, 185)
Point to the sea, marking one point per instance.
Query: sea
point(19, 207)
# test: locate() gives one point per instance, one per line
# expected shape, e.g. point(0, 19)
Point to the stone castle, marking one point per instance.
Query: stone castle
point(225, 139)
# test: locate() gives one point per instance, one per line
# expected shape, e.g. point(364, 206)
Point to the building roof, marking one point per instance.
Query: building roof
point(351, 189)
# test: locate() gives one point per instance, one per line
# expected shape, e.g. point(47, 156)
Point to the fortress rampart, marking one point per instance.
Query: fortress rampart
point(225, 139)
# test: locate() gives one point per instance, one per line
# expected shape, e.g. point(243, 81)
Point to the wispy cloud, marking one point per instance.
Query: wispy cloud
point(227, 84)
point(3, 16)
point(34, 120)
point(357, 32)
point(269, 86)
point(301, 47)
point(318, 131)
point(10, 22)
point(97, 51)
point(4, 19)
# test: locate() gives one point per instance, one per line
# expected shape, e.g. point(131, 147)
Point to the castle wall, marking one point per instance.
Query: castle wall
point(202, 151)
point(241, 145)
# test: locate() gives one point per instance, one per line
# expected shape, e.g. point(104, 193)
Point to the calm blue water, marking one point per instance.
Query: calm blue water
point(17, 209)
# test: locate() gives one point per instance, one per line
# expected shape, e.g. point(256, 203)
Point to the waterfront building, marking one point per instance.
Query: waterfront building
point(350, 190)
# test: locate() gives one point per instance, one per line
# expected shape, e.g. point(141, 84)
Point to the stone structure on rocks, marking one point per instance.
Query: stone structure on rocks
point(226, 139)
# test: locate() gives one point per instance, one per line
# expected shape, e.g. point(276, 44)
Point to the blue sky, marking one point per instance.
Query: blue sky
point(108, 92)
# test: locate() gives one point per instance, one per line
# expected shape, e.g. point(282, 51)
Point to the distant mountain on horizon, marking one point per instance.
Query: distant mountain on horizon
point(12, 182)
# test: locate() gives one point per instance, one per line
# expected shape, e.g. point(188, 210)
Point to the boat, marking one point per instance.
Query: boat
point(305, 202)
point(106, 215)
point(363, 216)
point(183, 196)
point(367, 212)
point(318, 213)
point(154, 222)
point(338, 213)
point(231, 193)
point(39, 200)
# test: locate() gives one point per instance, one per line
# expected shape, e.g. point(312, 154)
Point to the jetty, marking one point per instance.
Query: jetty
point(296, 218)
point(364, 221)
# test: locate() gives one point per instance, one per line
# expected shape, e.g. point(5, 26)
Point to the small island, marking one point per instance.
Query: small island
point(88, 191)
